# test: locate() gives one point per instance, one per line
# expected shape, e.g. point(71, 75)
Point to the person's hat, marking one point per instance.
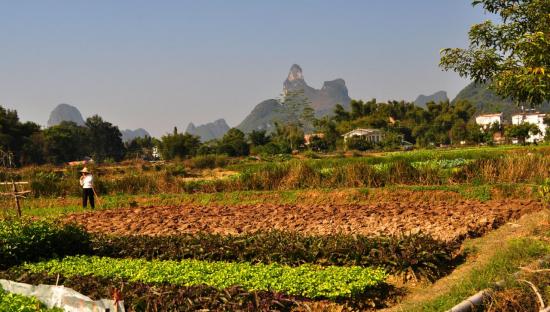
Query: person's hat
point(85, 170)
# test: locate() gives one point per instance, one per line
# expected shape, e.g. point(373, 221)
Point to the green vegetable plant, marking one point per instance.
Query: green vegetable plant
point(306, 280)
point(16, 303)
point(418, 254)
point(22, 241)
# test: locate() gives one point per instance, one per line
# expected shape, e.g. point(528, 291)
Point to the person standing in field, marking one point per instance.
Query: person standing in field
point(87, 183)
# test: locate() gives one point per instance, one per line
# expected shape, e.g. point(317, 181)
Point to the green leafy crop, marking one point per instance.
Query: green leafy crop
point(17, 303)
point(306, 280)
point(22, 241)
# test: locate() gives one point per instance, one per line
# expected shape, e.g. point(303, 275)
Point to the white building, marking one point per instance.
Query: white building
point(370, 135)
point(155, 153)
point(487, 120)
point(533, 118)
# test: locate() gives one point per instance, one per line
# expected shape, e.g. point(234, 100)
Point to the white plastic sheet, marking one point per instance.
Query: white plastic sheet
point(62, 297)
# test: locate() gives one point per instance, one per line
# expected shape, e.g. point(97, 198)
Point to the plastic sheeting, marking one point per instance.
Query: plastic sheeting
point(62, 297)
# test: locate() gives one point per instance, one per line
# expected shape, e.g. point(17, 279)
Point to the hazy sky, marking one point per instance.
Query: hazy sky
point(159, 64)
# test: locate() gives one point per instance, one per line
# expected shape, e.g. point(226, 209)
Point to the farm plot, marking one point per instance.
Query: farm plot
point(445, 220)
point(190, 284)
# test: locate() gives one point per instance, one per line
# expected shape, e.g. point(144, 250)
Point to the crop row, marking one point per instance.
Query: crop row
point(417, 254)
point(139, 296)
point(16, 303)
point(22, 241)
point(306, 280)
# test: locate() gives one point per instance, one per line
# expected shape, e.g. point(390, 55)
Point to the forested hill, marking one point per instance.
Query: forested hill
point(486, 101)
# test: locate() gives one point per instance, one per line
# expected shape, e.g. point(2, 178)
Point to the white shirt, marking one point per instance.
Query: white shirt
point(87, 181)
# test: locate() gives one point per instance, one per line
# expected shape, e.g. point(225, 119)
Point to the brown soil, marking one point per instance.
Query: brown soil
point(448, 220)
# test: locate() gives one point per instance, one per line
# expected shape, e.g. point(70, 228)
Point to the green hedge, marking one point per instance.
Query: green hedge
point(306, 280)
point(419, 253)
point(22, 241)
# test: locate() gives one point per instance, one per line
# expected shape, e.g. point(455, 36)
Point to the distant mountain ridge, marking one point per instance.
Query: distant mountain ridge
point(209, 131)
point(322, 100)
point(439, 96)
point(128, 135)
point(262, 117)
point(266, 113)
point(486, 101)
point(65, 112)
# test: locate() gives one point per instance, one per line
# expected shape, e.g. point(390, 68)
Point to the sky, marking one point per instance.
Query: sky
point(160, 64)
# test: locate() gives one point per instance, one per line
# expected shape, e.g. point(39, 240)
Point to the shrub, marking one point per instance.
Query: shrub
point(45, 184)
point(22, 241)
point(311, 155)
point(177, 170)
point(209, 161)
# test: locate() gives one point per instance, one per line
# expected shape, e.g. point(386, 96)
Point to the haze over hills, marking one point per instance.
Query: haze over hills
point(209, 131)
point(439, 96)
point(128, 134)
point(66, 112)
point(486, 101)
point(264, 115)
point(323, 101)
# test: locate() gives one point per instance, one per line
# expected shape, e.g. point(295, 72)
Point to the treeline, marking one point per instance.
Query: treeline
point(442, 123)
point(65, 142)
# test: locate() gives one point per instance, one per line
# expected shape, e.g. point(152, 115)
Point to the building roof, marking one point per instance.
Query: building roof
point(529, 114)
point(490, 115)
point(362, 131)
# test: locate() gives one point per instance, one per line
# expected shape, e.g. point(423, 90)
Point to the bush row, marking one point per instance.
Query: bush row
point(306, 280)
point(298, 174)
point(22, 241)
point(513, 168)
point(416, 254)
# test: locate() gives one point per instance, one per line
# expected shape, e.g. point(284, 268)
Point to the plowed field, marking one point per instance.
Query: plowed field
point(443, 219)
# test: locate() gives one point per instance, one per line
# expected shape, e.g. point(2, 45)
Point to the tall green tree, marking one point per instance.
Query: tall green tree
point(234, 143)
point(296, 110)
point(17, 137)
point(521, 132)
point(258, 138)
point(179, 145)
point(105, 139)
point(66, 142)
point(514, 55)
point(328, 126)
point(141, 147)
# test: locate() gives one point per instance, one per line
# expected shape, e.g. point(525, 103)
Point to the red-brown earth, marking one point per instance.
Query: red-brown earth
point(448, 220)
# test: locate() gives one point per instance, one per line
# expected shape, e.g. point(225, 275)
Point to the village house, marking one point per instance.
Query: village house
point(486, 120)
point(532, 118)
point(370, 135)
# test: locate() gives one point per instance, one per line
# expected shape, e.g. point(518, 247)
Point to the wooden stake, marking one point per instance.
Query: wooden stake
point(17, 205)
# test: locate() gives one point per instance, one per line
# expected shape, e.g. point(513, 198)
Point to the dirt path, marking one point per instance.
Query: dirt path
point(487, 246)
point(445, 220)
